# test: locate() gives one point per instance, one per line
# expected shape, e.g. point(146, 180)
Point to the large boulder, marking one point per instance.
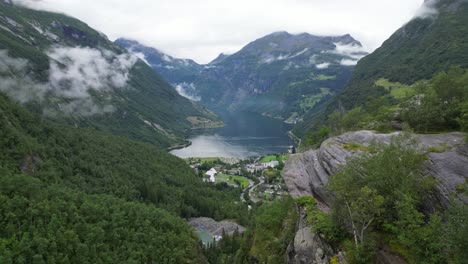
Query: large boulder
point(308, 173)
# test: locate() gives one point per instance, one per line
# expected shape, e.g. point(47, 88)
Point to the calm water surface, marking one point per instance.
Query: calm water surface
point(244, 135)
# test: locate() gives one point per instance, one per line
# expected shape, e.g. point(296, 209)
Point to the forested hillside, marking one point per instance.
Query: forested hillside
point(416, 78)
point(101, 191)
point(58, 66)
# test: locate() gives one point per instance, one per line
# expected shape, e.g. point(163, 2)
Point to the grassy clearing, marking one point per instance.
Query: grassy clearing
point(231, 179)
point(310, 101)
point(269, 158)
point(397, 90)
point(355, 147)
point(323, 77)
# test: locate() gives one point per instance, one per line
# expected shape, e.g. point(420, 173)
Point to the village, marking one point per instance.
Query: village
point(258, 178)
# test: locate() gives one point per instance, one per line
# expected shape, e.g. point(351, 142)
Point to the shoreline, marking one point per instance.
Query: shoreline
point(181, 146)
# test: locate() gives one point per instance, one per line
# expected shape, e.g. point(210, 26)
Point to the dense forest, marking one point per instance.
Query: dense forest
point(429, 106)
point(145, 107)
point(59, 178)
point(419, 50)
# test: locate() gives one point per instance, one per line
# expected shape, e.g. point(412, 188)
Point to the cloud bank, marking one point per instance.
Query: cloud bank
point(76, 76)
point(188, 91)
point(203, 29)
point(428, 9)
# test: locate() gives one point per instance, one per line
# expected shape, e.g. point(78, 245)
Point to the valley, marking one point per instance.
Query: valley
point(293, 147)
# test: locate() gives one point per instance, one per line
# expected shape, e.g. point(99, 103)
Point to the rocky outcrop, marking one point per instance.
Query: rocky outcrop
point(214, 227)
point(308, 174)
point(309, 248)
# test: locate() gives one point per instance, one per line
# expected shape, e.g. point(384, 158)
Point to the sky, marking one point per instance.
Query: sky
point(201, 29)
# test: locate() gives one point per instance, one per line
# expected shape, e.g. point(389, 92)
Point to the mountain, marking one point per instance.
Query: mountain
point(427, 44)
point(60, 67)
point(280, 75)
point(433, 41)
point(218, 59)
point(73, 195)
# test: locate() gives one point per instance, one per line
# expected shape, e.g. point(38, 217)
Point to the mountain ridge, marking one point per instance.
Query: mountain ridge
point(256, 78)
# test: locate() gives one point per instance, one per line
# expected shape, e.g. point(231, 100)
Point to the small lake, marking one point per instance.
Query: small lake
point(244, 135)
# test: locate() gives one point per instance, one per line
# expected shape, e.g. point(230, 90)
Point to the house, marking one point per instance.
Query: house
point(211, 175)
point(271, 164)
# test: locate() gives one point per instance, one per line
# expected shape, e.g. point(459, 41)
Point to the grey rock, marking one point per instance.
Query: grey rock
point(308, 173)
point(308, 247)
point(214, 227)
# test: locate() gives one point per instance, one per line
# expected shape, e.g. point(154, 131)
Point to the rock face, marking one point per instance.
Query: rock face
point(214, 227)
point(308, 174)
point(308, 247)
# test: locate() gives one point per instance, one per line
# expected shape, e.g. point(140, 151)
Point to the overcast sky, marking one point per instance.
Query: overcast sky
point(201, 29)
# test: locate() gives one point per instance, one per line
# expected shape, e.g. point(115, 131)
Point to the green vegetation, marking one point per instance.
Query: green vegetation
point(309, 101)
point(70, 193)
point(43, 223)
point(352, 146)
point(378, 200)
point(269, 158)
point(422, 48)
point(232, 179)
point(271, 229)
point(396, 89)
point(437, 105)
point(323, 77)
point(147, 109)
point(395, 72)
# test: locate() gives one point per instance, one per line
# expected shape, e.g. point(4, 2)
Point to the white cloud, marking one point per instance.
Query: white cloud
point(428, 9)
point(187, 90)
point(203, 29)
point(74, 74)
point(324, 65)
point(348, 62)
point(16, 81)
point(141, 56)
point(349, 50)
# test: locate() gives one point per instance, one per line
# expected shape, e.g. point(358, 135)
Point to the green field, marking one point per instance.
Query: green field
point(230, 179)
point(269, 158)
point(397, 90)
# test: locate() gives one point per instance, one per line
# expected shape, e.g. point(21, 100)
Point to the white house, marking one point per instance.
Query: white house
point(211, 175)
point(272, 164)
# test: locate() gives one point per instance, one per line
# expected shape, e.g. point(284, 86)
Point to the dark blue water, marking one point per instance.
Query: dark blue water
point(244, 135)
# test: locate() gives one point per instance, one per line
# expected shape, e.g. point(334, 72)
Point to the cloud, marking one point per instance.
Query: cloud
point(202, 29)
point(353, 51)
point(141, 56)
point(428, 9)
point(75, 74)
point(348, 62)
point(187, 90)
point(324, 65)
point(16, 81)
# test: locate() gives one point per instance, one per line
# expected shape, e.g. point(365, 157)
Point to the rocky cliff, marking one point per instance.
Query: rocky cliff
point(308, 173)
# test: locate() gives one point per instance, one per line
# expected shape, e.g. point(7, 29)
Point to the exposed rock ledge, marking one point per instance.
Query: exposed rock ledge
point(214, 227)
point(308, 173)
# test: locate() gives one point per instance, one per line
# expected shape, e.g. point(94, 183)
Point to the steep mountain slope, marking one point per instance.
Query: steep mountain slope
point(71, 73)
point(280, 75)
point(418, 50)
point(79, 195)
point(426, 45)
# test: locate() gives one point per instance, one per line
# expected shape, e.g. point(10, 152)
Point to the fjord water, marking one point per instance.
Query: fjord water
point(244, 135)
